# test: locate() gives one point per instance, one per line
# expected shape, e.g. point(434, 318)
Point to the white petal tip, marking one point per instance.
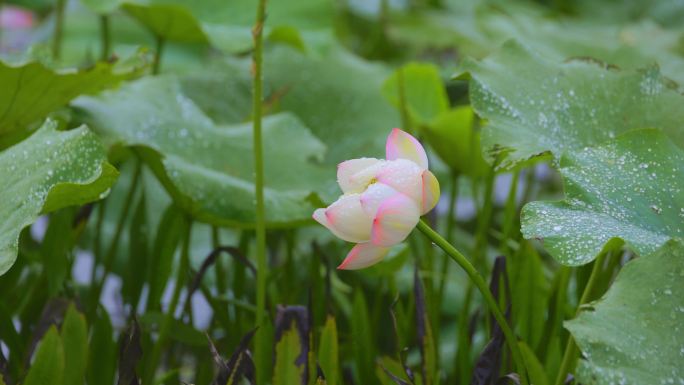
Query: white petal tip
point(402, 145)
point(363, 255)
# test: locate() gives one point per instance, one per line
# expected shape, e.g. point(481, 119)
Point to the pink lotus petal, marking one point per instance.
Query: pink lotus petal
point(396, 217)
point(320, 217)
point(401, 145)
point(375, 194)
point(430, 192)
point(347, 169)
point(404, 176)
point(363, 255)
point(348, 219)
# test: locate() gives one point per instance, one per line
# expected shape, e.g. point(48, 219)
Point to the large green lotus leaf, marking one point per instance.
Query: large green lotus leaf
point(558, 107)
point(478, 28)
point(226, 25)
point(337, 95)
point(630, 188)
point(665, 12)
point(169, 21)
point(208, 168)
point(49, 170)
point(634, 335)
point(102, 6)
point(30, 91)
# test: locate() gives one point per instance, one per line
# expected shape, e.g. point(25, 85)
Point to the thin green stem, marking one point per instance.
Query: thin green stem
point(571, 352)
point(530, 175)
point(510, 214)
point(219, 269)
point(463, 363)
point(97, 241)
point(485, 217)
point(105, 38)
point(159, 50)
point(481, 242)
point(167, 322)
point(450, 223)
point(260, 350)
point(114, 245)
point(59, 28)
point(481, 284)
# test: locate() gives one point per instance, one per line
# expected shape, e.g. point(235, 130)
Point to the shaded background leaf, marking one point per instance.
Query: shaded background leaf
point(48, 362)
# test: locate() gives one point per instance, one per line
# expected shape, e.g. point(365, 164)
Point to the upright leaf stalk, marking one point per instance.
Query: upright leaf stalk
point(570, 354)
point(262, 272)
point(58, 30)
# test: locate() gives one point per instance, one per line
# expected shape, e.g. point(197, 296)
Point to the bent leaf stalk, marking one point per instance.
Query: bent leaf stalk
point(477, 279)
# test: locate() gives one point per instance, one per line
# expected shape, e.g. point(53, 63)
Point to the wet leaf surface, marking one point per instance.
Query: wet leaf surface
point(630, 189)
point(49, 170)
point(550, 106)
point(208, 168)
point(634, 334)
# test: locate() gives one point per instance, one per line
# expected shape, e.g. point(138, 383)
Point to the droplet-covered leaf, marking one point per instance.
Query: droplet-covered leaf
point(548, 106)
point(630, 188)
point(48, 171)
point(208, 168)
point(635, 334)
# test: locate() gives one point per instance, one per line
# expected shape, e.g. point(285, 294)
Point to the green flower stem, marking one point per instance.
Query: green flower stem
point(480, 283)
point(260, 351)
point(571, 352)
point(105, 38)
point(167, 322)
